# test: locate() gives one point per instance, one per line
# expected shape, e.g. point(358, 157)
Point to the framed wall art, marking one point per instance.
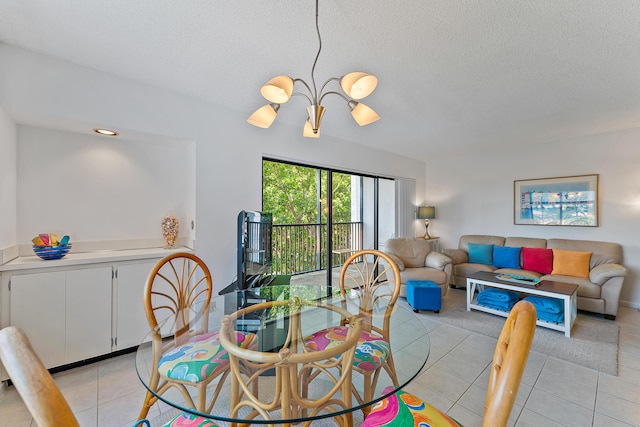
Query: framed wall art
point(569, 200)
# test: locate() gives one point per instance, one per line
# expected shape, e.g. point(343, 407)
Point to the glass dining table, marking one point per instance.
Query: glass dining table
point(311, 308)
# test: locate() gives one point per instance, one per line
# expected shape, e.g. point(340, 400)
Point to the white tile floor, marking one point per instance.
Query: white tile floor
point(553, 392)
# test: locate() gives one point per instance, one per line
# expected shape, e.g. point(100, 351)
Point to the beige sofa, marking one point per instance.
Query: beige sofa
point(417, 261)
point(599, 293)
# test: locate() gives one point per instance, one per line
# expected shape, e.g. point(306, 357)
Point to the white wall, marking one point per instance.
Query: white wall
point(8, 177)
point(36, 89)
point(97, 188)
point(473, 193)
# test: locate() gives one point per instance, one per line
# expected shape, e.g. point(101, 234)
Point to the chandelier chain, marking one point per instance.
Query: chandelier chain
point(313, 69)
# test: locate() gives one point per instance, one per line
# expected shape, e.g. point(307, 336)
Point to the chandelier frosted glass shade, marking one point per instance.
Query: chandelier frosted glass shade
point(277, 90)
point(308, 131)
point(264, 116)
point(362, 114)
point(358, 85)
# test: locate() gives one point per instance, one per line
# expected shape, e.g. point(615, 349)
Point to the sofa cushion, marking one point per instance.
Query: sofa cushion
point(539, 260)
point(601, 252)
point(412, 252)
point(467, 269)
point(397, 260)
point(586, 288)
point(437, 260)
point(479, 238)
point(437, 276)
point(571, 263)
point(528, 242)
point(506, 257)
point(480, 253)
point(458, 256)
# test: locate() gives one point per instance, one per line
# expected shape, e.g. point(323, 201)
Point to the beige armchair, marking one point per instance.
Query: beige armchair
point(417, 261)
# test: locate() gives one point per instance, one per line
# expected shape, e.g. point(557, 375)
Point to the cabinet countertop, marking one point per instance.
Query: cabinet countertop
point(74, 259)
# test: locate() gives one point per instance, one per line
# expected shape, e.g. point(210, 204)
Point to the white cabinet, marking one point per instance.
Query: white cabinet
point(38, 308)
point(65, 314)
point(88, 313)
point(130, 321)
point(78, 308)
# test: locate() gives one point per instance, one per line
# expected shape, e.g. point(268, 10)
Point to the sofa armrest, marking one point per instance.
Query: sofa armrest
point(458, 256)
point(437, 260)
point(603, 272)
point(397, 260)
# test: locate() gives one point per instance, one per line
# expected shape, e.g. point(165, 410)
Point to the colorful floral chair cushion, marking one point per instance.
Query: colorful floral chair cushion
point(371, 352)
point(404, 410)
point(200, 357)
point(190, 420)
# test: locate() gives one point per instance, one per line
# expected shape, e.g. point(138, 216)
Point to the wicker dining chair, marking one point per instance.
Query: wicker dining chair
point(509, 360)
point(179, 287)
point(291, 364)
point(373, 278)
point(39, 392)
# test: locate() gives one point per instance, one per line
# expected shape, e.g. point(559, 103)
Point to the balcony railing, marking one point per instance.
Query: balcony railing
point(301, 248)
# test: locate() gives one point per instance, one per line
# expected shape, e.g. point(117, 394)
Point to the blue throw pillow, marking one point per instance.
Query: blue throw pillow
point(506, 257)
point(480, 253)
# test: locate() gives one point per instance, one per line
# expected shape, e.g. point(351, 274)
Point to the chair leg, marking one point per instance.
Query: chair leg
point(368, 393)
point(202, 397)
point(149, 397)
point(347, 398)
point(390, 367)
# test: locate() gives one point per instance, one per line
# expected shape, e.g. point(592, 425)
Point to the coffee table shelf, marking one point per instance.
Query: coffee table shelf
point(567, 292)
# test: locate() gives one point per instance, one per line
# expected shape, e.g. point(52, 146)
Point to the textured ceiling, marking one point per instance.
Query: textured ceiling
point(453, 74)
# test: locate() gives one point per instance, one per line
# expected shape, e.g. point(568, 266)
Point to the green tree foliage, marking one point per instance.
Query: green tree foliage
point(290, 192)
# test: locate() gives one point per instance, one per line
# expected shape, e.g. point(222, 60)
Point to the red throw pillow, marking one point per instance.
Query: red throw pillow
point(539, 260)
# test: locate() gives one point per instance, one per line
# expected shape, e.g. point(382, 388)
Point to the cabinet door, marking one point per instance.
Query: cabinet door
point(131, 321)
point(88, 314)
point(38, 308)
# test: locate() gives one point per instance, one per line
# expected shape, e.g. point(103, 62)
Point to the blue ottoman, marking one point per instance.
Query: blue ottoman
point(424, 295)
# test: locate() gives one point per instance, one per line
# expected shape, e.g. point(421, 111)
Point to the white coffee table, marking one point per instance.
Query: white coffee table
point(567, 292)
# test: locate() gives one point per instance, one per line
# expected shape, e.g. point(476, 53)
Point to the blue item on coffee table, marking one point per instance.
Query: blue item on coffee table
point(498, 299)
point(548, 309)
point(550, 317)
point(547, 305)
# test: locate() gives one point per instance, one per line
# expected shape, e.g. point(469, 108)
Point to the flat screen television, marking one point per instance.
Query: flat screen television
point(254, 257)
point(254, 249)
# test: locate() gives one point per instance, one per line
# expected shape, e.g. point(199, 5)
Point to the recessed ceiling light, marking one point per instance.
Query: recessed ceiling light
point(106, 132)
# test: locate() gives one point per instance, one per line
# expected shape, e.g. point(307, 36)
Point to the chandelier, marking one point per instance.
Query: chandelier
point(278, 90)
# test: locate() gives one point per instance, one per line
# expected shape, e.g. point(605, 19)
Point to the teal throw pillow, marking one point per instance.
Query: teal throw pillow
point(480, 253)
point(506, 257)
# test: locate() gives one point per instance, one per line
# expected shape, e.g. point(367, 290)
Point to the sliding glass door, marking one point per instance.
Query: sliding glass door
point(321, 216)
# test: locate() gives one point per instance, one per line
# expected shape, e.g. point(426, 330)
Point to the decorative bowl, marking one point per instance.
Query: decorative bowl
point(51, 252)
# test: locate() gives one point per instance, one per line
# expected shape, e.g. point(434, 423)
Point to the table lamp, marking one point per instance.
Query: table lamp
point(426, 213)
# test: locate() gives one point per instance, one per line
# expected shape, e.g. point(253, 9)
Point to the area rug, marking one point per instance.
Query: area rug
point(593, 342)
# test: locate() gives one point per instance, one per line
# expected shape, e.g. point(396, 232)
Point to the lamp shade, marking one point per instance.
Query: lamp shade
point(362, 114)
point(358, 85)
point(264, 116)
point(278, 89)
point(426, 212)
point(308, 131)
